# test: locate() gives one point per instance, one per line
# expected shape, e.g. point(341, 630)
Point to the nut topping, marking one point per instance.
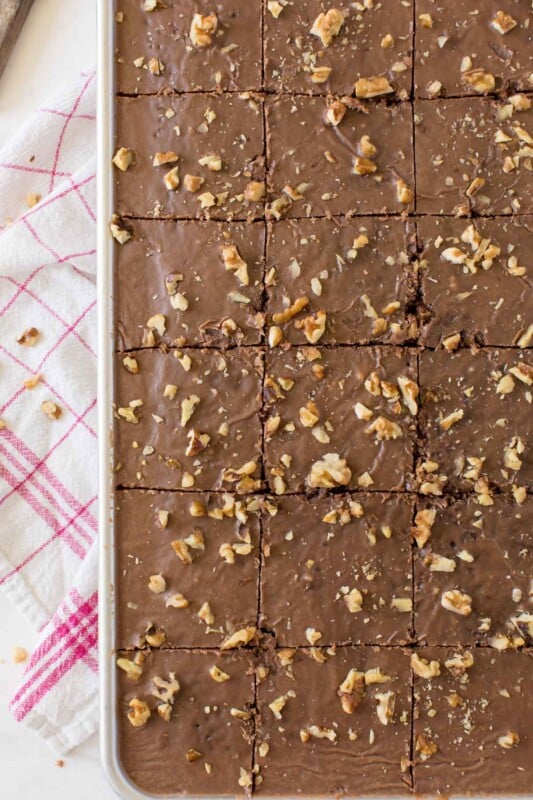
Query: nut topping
point(327, 26)
point(203, 29)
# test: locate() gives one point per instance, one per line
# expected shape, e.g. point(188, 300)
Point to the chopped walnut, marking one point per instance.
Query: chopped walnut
point(157, 323)
point(202, 29)
point(385, 706)
point(177, 600)
point(335, 113)
point(245, 778)
point(123, 158)
point(363, 166)
point(239, 638)
point(139, 712)
point(312, 635)
point(119, 232)
point(254, 191)
point(425, 746)
point(508, 740)
point(165, 690)
point(313, 326)
point(276, 7)
point(372, 87)
point(456, 601)
point(33, 381)
point(168, 157)
point(353, 601)
point(503, 23)
point(172, 179)
point(423, 668)
point(277, 705)
point(188, 407)
point(320, 74)
point(50, 409)
point(192, 183)
point(455, 416)
point(327, 26)
point(330, 471)
point(29, 337)
point(132, 668)
point(155, 636)
point(319, 732)
point(351, 691)
point(384, 429)
point(218, 674)
point(285, 316)
point(234, 263)
point(481, 82)
point(206, 615)
point(157, 584)
point(374, 675)
point(424, 521)
point(309, 415)
point(212, 161)
point(403, 192)
point(131, 364)
point(410, 392)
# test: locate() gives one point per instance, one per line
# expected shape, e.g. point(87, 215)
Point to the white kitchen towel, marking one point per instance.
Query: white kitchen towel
point(48, 560)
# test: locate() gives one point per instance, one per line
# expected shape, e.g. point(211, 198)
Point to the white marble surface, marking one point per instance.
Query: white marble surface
point(58, 40)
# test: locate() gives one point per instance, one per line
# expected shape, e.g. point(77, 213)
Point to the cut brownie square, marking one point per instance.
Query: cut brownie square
point(473, 573)
point(362, 165)
point(474, 279)
point(475, 155)
point(337, 570)
point(357, 272)
point(340, 417)
point(468, 48)
point(327, 718)
point(475, 414)
point(185, 721)
point(472, 722)
point(187, 566)
point(188, 419)
point(309, 48)
point(188, 46)
point(189, 155)
point(166, 275)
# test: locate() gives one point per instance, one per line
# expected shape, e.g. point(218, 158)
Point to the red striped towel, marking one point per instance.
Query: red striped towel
point(48, 466)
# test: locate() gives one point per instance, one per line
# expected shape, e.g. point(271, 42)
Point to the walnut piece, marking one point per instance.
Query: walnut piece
point(456, 601)
point(351, 691)
point(28, 337)
point(234, 263)
point(372, 87)
point(139, 712)
point(423, 668)
point(335, 113)
point(202, 29)
point(481, 82)
point(354, 601)
point(327, 26)
point(503, 23)
point(239, 638)
point(330, 471)
point(50, 409)
point(123, 158)
point(385, 706)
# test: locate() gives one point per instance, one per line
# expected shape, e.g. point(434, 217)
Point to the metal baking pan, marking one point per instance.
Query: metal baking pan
point(118, 779)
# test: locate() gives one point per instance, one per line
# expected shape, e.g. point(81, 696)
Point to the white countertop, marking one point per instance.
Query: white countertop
point(58, 41)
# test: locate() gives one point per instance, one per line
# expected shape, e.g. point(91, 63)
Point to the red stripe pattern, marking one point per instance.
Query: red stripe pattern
point(48, 467)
